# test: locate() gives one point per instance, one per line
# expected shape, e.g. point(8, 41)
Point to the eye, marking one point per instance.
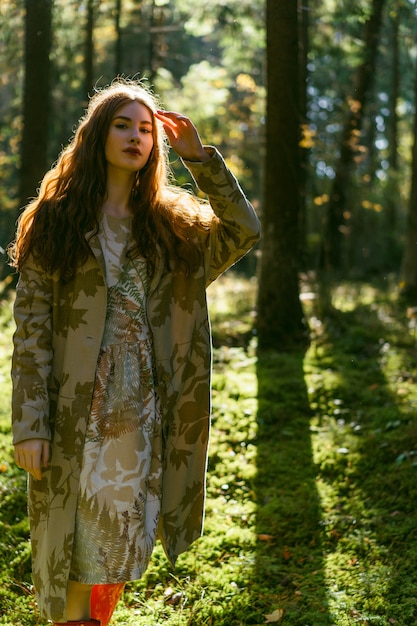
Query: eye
point(146, 131)
point(120, 125)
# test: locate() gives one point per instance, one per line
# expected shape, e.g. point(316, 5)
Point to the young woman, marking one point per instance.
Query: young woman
point(112, 355)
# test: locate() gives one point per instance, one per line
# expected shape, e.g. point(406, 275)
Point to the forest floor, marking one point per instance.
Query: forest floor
point(312, 487)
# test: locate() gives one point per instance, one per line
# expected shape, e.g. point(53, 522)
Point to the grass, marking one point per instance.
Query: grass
point(311, 497)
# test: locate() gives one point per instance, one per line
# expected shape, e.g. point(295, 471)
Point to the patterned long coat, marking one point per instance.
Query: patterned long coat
point(59, 328)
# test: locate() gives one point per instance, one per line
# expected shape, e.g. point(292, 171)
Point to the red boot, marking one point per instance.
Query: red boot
point(103, 602)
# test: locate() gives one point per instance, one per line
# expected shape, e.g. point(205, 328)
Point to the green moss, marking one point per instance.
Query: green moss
point(312, 490)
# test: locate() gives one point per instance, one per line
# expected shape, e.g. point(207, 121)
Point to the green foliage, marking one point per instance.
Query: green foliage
point(311, 515)
point(11, 58)
point(377, 195)
point(207, 59)
point(207, 63)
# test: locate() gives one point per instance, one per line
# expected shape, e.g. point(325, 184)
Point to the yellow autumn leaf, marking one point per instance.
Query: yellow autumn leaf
point(276, 616)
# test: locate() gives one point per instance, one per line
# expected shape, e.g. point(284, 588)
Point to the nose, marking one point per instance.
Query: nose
point(135, 136)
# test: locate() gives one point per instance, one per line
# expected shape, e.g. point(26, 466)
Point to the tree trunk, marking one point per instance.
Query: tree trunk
point(409, 264)
point(89, 48)
point(332, 256)
point(393, 126)
point(36, 97)
point(153, 37)
point(304, 144)
point(118, 47)
point(280, 317)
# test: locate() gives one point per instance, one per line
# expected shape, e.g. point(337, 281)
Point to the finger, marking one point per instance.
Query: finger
point(35, 473)
point(173, 120)
point(165, 118)
point(171, 134)
point(45, 454)
point(17, 461)
point(170, 114)
point(31, 464)
point(19, 458)
point(34, 467)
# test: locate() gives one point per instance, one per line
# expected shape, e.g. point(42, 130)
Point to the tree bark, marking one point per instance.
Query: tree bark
point(280, 318)
point(118, 46)
point(332, 256)
point(36, 97)
point(393, 127)
point(304, 144)
point(409, 263)
point(89, 48)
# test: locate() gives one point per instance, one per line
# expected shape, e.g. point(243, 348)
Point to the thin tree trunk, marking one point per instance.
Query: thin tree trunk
point(36, 96)
point(89, 48)
point(152, 37)
point(391, 221)
point(303, 13)
point(333, 238)
point(118, 47)
point(280, 316)
point(409, 265)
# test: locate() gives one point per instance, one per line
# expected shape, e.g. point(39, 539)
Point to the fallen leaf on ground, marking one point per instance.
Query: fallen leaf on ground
point(173, 597)
point(169, 591)
point(276, 616)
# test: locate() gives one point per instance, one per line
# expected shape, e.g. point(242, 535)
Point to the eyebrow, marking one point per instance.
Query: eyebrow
point(129, 119)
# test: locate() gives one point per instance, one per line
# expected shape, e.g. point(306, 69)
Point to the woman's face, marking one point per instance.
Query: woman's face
point(130, 139)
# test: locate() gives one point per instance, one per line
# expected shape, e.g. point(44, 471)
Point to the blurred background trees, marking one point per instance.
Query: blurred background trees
point(354, 78)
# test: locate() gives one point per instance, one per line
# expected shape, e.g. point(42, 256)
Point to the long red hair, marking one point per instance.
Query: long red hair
point(54, 225)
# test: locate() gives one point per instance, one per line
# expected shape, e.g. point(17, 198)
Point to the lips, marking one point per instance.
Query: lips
point(133, 151)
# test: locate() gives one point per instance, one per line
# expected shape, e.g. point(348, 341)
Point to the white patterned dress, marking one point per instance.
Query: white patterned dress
point(120, 484)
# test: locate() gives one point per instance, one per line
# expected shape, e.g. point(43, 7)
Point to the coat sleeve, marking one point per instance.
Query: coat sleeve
point(238, 228)
point(32, 354)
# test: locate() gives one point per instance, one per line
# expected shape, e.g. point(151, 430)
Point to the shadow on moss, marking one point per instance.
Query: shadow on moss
point(289, 554)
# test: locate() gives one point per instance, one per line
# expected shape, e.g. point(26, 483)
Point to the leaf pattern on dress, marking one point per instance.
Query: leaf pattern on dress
point(120, 482)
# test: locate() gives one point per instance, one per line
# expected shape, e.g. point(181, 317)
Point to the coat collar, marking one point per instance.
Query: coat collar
point(95, 245)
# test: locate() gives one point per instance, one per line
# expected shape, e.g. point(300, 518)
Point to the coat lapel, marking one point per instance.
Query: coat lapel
point(95, 245)
point(159, 268)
